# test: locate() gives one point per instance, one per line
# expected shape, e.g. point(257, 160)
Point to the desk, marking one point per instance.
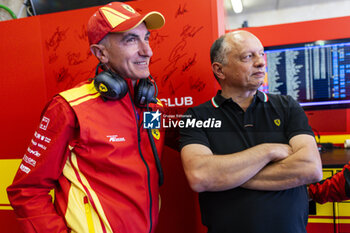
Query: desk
point(335, 158)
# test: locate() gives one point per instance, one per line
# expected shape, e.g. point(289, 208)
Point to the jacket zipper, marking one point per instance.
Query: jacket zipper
point(146, 165)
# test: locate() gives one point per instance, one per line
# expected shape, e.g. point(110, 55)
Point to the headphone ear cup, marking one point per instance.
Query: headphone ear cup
point(110, 86)
point(144, 92)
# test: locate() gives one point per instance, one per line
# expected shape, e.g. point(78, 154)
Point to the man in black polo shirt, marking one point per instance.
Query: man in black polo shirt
point(252, 159)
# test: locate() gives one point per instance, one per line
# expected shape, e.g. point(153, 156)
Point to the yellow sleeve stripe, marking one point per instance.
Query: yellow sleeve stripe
point(86, 98)
point(80, 94)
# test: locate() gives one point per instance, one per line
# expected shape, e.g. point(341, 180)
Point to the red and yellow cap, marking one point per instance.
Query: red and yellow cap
point(119, 17)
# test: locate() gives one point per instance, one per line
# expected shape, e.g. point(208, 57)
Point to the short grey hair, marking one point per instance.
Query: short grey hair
point(219, 50)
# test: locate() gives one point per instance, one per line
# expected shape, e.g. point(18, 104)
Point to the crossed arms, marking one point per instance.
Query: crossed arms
point(268, 166)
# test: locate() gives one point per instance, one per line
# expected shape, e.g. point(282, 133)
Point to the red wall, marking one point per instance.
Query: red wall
point(46, 54)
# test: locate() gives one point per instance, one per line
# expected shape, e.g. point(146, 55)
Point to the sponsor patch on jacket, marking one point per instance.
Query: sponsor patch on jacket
point(44, 123)
point(115, 138)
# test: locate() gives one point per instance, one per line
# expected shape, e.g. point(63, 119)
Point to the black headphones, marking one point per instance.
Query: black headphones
point(113, 87)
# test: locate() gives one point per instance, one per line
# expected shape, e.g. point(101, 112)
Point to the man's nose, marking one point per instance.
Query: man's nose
point(260, 61)
point(145, 49)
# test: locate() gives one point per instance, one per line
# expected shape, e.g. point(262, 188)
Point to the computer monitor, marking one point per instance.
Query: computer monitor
point(50, 6)
point(316, 74)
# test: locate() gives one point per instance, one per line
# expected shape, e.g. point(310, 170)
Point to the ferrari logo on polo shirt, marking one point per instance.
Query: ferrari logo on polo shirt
point(156, 133)
point(102, 88)
point(277, 122)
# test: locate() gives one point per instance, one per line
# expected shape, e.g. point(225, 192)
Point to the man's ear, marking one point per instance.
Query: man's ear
point(100, 52)
point(218, 70)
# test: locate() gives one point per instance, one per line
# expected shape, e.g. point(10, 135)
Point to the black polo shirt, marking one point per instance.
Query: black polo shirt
point(269, 119)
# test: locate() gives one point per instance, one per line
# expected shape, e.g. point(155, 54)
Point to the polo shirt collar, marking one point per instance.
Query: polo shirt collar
point(218, 100)
point(262, 96)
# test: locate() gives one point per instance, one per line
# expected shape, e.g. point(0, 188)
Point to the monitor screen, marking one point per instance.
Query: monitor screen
point(51, 6)
point(316, 74)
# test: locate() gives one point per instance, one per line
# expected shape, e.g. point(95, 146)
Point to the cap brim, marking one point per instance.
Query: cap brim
point(153, 20)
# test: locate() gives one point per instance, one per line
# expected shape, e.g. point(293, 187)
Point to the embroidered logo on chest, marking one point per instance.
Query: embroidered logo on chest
point(115, 138)
point(277, 122)
point(156, 133)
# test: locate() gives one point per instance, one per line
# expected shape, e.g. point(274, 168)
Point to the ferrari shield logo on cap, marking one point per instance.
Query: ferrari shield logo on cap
point(277, 122)
point(128, 8)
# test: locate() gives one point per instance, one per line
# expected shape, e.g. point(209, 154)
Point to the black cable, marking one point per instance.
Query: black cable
point(156, 158)
point(155, 86)
point(150, 136)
